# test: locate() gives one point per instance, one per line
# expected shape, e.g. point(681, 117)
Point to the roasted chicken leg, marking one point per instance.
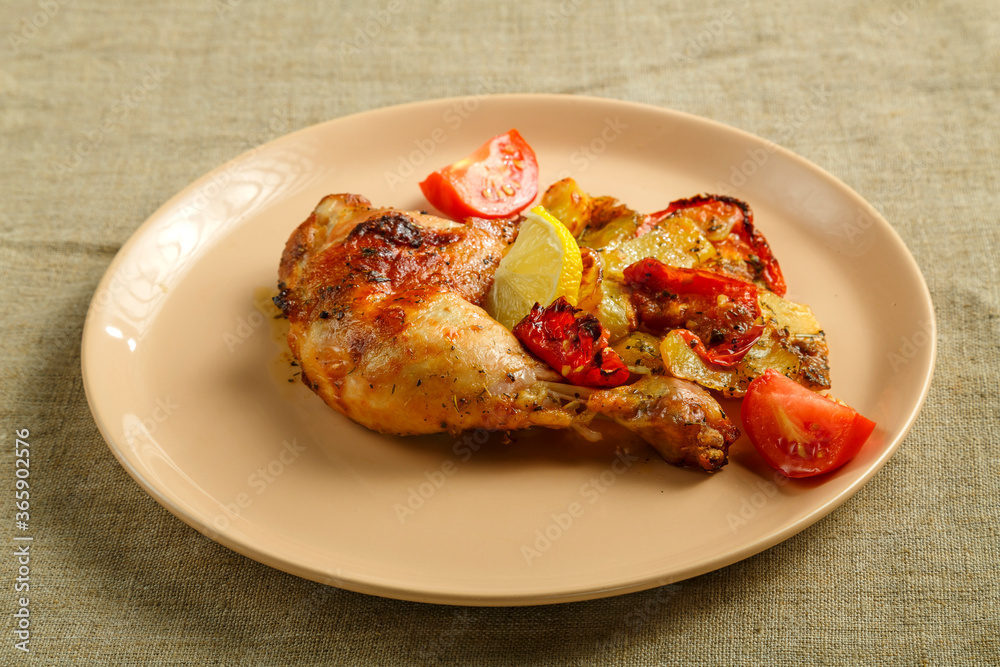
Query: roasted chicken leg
point(386, 324)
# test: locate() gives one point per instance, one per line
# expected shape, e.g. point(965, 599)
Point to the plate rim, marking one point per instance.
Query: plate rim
point(375, 584)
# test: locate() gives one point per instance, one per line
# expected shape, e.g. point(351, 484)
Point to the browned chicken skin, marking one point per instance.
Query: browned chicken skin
point(682, 421)
point(385, 323)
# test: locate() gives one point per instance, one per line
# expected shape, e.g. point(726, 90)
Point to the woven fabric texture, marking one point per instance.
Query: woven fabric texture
point(108, 109)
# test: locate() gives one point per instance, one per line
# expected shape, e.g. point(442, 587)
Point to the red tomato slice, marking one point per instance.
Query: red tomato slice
point(798, 431)
point(498, 180)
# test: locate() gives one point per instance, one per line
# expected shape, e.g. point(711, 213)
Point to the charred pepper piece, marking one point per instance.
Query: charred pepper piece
point(572, 342)
point(708, 306)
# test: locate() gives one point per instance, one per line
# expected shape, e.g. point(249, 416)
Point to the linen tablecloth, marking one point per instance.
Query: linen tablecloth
point(107, 110)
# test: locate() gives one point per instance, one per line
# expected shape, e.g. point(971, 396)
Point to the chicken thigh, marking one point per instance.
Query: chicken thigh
point(386, 324)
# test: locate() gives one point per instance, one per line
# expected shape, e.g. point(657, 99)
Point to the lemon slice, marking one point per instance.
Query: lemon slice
point(543, 264)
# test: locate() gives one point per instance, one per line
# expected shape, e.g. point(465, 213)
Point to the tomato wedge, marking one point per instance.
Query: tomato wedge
point(573, 343)
point(703, 304)
point(798, 431)
point(727, 221)
point(499, 179)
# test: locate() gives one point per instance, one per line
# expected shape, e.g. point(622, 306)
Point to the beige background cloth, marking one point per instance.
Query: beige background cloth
point(107, 111)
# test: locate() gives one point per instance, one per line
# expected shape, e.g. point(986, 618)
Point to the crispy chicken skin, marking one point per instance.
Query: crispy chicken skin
point(386, 325)
point(384, 321)
point(682, 421)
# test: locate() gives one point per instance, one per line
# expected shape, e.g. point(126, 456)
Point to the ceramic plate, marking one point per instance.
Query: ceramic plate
point(184, 374)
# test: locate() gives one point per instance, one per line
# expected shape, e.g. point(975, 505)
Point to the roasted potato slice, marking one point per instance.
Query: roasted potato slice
point(616, 311)
point(569, 204)
point(590, 282)
point(641, 353)
point(677, 242)
point(596, 222)
point(611, 223)
point(792, 343)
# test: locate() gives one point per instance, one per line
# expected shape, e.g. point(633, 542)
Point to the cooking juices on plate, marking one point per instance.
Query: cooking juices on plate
point(579, 309)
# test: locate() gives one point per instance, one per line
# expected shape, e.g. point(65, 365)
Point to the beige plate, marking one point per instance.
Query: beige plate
point(181, 372)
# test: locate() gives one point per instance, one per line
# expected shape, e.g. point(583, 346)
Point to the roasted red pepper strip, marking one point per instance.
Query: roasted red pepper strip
point(705, 304)
point(744, 237)
point(572, 342)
